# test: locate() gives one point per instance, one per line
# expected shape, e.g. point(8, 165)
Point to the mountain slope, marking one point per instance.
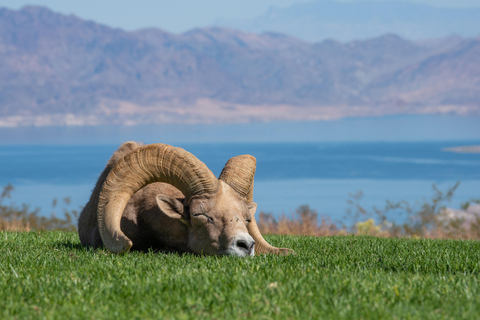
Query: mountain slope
point(61, 70)
point(448, 80)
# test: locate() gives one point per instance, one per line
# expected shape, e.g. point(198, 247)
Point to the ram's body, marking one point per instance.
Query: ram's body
point(158, 215)
point(144, 223)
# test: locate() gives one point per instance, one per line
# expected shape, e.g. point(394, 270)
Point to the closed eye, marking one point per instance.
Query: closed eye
point(209, 219)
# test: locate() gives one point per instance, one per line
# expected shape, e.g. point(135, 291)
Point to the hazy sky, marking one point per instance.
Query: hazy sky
point(176, 15)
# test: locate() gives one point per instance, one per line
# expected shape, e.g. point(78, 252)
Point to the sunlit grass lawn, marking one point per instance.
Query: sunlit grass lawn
point(49, 275)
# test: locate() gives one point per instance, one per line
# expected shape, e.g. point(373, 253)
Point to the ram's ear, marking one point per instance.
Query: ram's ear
point(171, 207)
point(252, 208)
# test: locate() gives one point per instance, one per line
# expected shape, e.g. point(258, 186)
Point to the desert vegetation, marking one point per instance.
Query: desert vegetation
point(428, 218)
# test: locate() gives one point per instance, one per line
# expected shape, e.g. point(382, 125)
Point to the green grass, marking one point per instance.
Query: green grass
point(49, 275)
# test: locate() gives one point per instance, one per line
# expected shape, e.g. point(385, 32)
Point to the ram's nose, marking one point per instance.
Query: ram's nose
point(243, 245)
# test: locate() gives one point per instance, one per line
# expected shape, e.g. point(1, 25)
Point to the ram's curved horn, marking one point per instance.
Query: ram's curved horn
point(147, 164)
point(238, 173)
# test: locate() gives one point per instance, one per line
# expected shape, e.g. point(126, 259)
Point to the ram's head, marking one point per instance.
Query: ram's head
point(215, 217)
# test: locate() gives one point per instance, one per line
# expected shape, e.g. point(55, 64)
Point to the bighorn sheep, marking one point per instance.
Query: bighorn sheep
point(162, 197)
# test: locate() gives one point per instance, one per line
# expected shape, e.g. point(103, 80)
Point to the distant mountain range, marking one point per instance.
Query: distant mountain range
point(61, 70)
point(346, 21)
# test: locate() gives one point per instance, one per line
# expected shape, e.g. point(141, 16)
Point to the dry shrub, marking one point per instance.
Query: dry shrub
point(457, 224)
point(304, 221)
point(369, 228)
point(14, 218)
point(14, 225)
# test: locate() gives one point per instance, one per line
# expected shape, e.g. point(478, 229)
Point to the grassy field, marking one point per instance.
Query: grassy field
point(49, 275)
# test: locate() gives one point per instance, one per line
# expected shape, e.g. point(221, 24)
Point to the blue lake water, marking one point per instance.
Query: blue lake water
point(321, 175)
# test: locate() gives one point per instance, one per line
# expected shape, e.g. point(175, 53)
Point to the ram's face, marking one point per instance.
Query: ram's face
point(218, 225)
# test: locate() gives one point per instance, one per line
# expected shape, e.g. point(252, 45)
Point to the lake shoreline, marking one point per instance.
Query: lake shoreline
point(464, 149)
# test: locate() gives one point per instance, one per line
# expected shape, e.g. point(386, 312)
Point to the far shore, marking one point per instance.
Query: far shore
point(464, 149)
